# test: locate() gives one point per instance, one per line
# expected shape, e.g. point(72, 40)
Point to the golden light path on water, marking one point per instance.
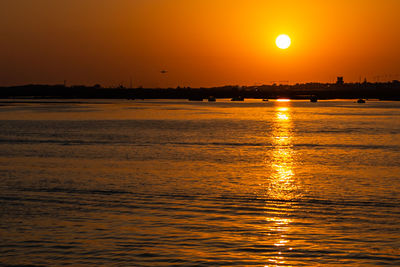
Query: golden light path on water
point(282, 185)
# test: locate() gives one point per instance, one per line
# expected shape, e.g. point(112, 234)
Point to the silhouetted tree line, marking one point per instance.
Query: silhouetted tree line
point(384, 91)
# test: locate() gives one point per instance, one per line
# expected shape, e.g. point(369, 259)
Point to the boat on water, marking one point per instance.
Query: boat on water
point(360, 101)
point(313, 99)
point(237, 98)
point(265, 100)
point(212, 99)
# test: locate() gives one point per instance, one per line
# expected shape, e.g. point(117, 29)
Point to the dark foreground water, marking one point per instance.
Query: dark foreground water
point(177, 183)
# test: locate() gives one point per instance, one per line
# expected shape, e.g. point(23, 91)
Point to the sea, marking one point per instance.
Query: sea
point(180, 183)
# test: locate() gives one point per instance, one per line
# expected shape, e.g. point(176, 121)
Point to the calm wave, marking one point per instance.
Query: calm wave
point(177, 183)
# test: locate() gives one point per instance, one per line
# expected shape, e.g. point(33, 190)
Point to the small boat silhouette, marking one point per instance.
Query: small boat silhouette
point(314, 99)
point(360, 101)
point(211, 99)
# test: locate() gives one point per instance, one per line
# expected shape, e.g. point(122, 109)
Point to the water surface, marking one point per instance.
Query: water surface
point(178, 183)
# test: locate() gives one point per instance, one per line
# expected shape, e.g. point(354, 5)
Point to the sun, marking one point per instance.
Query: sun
point(283, 41)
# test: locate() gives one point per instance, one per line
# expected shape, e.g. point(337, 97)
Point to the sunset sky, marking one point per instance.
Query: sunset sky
point(199, 42)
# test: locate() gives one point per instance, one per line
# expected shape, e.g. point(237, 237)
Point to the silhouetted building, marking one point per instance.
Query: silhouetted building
point(339, 81)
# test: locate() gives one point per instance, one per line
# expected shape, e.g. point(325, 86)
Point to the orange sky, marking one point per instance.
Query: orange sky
point(199, 42)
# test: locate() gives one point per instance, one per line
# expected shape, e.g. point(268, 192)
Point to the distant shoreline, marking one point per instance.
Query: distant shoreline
point(4, 102)
point(321, 91)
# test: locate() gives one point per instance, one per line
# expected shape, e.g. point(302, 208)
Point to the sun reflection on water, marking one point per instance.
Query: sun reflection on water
point(281, 183)
point(282, 186)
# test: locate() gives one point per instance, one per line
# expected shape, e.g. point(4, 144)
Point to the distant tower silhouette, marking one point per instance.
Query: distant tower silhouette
point(339, 80)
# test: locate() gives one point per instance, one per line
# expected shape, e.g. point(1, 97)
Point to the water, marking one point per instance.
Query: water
point(178, 183)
